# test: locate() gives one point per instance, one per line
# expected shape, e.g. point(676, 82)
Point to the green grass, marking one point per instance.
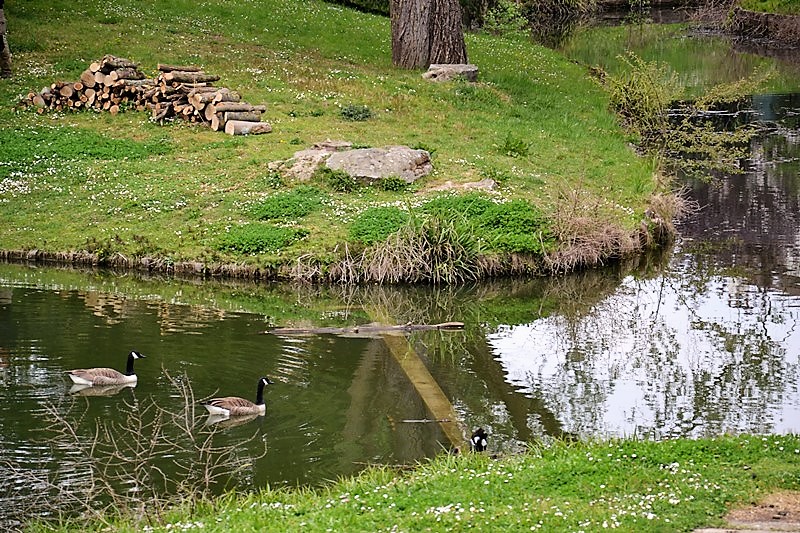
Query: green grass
point(786, 7)
point(535, 120)
point(627, 485)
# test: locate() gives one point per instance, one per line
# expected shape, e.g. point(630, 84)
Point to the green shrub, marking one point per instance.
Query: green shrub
point(357, 113)
point(642, 94)
point(515, 227)
point(338, 180)
point(514, 146)
point(293, 204)
point(392, 184)
point(258, 238)
point(377, 223)
point(506, 18)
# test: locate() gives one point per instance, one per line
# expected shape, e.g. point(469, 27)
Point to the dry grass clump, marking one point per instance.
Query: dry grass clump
point(432, 250)
point(588, 238)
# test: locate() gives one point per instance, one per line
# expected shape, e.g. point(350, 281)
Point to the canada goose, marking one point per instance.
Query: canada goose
point(105, 376)
point(235, 406)
point(479, 440)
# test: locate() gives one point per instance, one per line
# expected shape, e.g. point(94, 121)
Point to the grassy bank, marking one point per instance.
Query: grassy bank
point(124, 187)
point(783, 7)
point(625, 485)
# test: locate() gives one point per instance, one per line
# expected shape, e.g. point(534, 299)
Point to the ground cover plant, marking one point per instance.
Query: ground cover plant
point(534, 121)
point(620, 485)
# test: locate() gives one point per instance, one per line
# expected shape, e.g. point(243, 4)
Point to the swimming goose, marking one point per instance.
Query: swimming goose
point(105, 376)
point(235, 406)
point(479, 440)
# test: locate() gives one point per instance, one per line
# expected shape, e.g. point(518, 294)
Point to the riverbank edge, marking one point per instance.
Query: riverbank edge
point(627, 484)
point(656, 229)
point(783, 30)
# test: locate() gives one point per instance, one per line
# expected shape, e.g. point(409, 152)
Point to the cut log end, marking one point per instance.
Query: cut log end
point(243, 127)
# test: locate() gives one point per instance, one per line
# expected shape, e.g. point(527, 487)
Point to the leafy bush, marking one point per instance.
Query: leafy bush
point(358, 113)
point(515, 227)
point(296, 203)
point(338, 180)
point(377, 223)
point(506, 18)
point(514, 146)
point(258, 238)
point(642, 95)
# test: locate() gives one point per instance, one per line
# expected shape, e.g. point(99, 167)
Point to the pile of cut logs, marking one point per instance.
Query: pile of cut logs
point(184, 92)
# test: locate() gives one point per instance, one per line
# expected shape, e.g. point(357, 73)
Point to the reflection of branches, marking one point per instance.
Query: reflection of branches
point(149, 458)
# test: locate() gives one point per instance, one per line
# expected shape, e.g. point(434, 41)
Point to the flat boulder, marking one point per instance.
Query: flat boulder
point(304, 162)
point(374, 164)
point(450, 71)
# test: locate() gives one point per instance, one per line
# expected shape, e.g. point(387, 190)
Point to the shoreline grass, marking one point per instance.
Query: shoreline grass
point(120, 185)
point(621, 485)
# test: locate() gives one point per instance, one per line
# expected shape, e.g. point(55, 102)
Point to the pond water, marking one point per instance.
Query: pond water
point(700, 339)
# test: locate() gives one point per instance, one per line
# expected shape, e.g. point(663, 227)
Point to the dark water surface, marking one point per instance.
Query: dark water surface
point(701, 339)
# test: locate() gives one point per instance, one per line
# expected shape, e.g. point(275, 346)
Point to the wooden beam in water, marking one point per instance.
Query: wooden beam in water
point(428, 389)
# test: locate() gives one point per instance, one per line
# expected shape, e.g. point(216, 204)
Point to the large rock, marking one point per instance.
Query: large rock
point(303, 163)
point(449, 71)
point(377, 163)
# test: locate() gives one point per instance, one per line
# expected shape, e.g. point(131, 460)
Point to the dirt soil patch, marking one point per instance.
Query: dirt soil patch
point(779, 511)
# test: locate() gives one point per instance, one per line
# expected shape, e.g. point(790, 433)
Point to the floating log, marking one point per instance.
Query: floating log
point(242, 127)
point(367, 328)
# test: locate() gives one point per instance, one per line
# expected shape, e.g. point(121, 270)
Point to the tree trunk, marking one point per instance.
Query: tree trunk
point(425, 32)
point(447, 36)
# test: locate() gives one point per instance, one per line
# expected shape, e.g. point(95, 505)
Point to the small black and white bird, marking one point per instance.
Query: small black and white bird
point(478, 440)
point(93, 377)
point(234, 406)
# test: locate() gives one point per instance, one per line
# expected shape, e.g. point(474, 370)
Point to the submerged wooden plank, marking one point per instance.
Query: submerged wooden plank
point(428, 389)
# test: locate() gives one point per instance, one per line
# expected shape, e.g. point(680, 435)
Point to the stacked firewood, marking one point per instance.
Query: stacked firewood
point(178, 92)
point(187, 91)
point(105, 85)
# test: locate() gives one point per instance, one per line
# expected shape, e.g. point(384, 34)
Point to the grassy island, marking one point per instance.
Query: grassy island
point(121, 189)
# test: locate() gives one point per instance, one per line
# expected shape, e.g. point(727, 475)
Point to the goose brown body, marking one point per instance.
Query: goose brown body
point(236, 406)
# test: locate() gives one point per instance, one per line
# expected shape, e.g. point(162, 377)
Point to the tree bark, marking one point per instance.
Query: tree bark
point(447, 35)
point(425, 32)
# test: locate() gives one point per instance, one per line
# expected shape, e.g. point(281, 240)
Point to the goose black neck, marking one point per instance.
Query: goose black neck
point(260, 393)
point(129, 368)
